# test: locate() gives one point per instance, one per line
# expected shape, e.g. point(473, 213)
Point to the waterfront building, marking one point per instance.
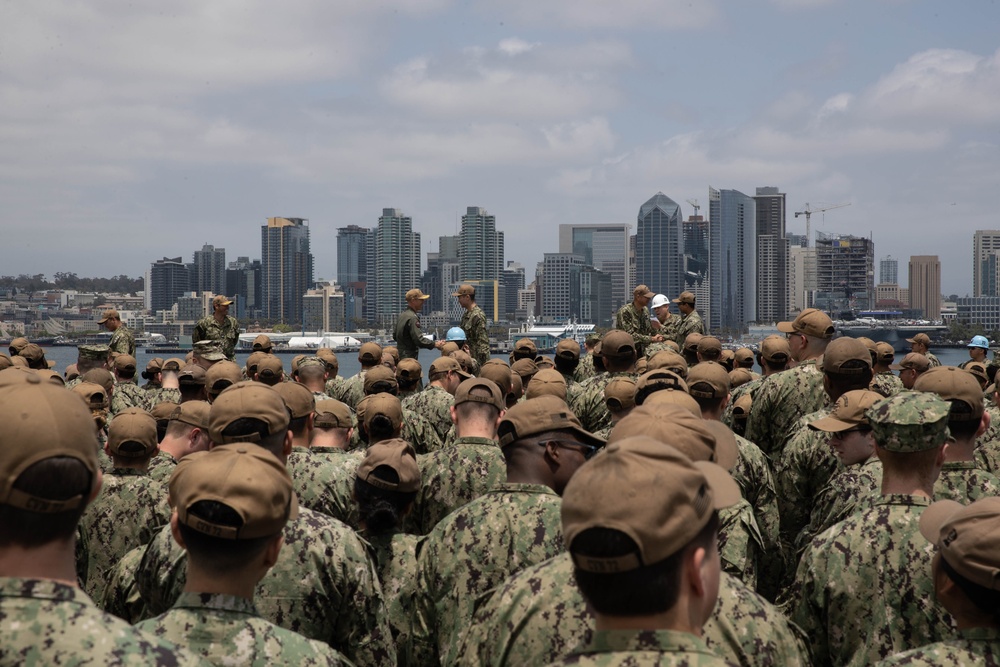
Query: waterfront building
point(986, 267)
point(396, 251)
point(925, 285)
point(659, 247)
point(169, 278)
point(845, 274)
point(287, 267)
point(772, 256)
point(732, 265)
point(888, 271)
point(323, 309)
point(604, 247)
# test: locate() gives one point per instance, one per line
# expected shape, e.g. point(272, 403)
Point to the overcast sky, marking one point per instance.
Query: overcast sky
point(132, 131)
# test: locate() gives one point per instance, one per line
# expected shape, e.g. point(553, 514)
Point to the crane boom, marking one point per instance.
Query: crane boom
point(809, 211)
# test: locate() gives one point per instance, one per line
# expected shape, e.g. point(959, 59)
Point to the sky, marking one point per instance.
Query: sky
point(135, 131)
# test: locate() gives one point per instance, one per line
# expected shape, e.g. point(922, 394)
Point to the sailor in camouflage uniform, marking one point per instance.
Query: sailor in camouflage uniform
point(585, 369)
point(353, 389)
point(132, 505)
point(633, 318)
point(409, 338)
point(323, 585)
point(44, 618)
point(89, 357)
point(691, 322)
point(187, 433)
point(473, 324)
point(968, 556)
point(863, 589)
point(219, 326)
point(512, 526)
point(618, 350)
point(127, 393)
point(885, 381)
point(435, 400)
point(231, 506)
point(921, 343)
point(122, 339)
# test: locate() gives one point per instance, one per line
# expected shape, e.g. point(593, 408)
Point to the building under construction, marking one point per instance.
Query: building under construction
point(845, 275)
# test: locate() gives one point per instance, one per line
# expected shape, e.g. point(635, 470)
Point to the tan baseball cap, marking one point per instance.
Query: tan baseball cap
point(669, 360)
point(153, 366)
point(978, 370)
point(221, 375)
point(710, 345)
point(649, 491)
point(41, 421)
point(382, 404)
point(392, 351)
point(691, 342)
point(174, 364)
point(914, 360)
point(192, 374)
point(679, 427)
point(848, 412)
point(656, 381)
point(221, 300)
point(744, 357)
point(193, 413)
point(379, 379)
point(416, 294)
point(244, 477)
point(443, 365)
point(524, 369)
point(526, 345)
point(619, 394)
point(617, 343)
point(331, 413)
point(685, 297)
point(35, 356)
point(18, 344)
point(676, 397)
point(133, 425)
point(397, 454)
point(547, 382)
point(94, 396)
point(775, 349)
point(464, 290)
point(298, 399)
point(742, 406)
point(464, 360)
point(967, 537)
point(270, 369)
point(262, 343)
point(810, 322)
point(247, 400)
point(164, 410)
point(920, 338)
point(842, 350)
point(480, 390)
point(953, 384)
point(409, 370)
point(884, 352)
point(644, 291)
point(125, 363)
point(370, 352)
point(568, 348)
point(109, 314)
point(329, 357)
point(497, 371)
point(540, 415)
point(739, 376)
point(708, 380)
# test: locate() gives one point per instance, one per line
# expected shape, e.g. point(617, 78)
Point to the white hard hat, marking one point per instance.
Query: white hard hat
point(658, 300)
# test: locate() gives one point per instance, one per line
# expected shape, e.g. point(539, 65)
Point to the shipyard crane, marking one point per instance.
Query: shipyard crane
point(809, 211)
point(694, 203)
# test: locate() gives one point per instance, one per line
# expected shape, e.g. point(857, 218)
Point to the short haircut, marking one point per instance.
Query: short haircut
point(126, 374)
point(566, 366)
point(56, 478)
point(381, 510)
point(297, 425)
point(273, 443)
point(192, 392)
point(216, 554)
point(985, 599)
point(961, 422)
point(771, 365)
point(311, 372)
point(841, 383)
point(708, 404)
point(617, 364)
point(381, 428)
point(911, 463)
point(85, 364)
point(133, 452)
point(178, 429)
point(648, 589)
point(475, 410)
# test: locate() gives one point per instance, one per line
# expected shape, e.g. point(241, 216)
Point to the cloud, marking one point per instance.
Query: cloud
point(603, 15)
point(515, 47)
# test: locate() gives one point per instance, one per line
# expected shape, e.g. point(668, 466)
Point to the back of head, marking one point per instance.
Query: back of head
point(847, 365)
point(249, 412)
point(963, 393)
point(547, 382)
point(383, 417)
point(380, 379)
point(386, 484)
point(480, 400)
point(132, 436)
point(370, 354)
point(270, 370)
point(618, 350)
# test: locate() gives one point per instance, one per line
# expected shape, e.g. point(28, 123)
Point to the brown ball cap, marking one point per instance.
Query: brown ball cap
point(679, 427)
point(547, 382)
point(386, 405)
point(953, 384)
point(810, 322)
point(379, 379)
point(617, 343)
point(775, 349)
point(967, 538)
point(480, 390)
point(914, 360)
point(649, 491)
point(841, 351)
point(244, 477)
point(708, 380)
point(568, 349)
point(397, 454)
point(247, 399)
point(668, 360)
point(409, 370)
point(619, 394)
point(331, 413)
point(298, 399)
point(541, 415)
point(132, 425)
point(848, 412)
point(370, 353)
point(193, 413)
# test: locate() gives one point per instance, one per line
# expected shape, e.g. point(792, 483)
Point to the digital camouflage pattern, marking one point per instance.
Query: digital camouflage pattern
point(45, 622)
point(335, 387)
point(122, 341)
point(225, 629)
point(324, 586)
point(474, 325)
point(162, 395)
point(931, 358)
point(965, 482)
point(910, 421)
point(864, 591)
point(855, 488)
point(585, 369)
point(781, 400)
point(750, 388)
point(161, 467)
point(409, 337)
point(395, 557)
point(589, 406)
point(974, 647)
point(689, 324)
point(128, 513)
point(121, 596)
point(454, 476)
point(740, 542)
point(753, 475)
point(227, 333)
point(614, 648)
point(886, 383)
point(129, 395)
point(473, 550)
point(353, 390)
point(636, 323)
point(539, 615)
point(434, 404)
point(417, 431)
point(324, 481)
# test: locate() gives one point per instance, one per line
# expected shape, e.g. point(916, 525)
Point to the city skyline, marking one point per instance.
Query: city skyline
point(128, 131)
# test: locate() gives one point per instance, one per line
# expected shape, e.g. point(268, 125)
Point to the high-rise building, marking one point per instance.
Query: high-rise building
point(659, 247)
point(925, 285)
point(560, 280)
point(695, 234)
point(169, 279)
point(845, 274)
point(732, 265)
point(513, 282)
point(596, 304)
point(353, 244)
point(243, 285)
point(323, 309)
point(888, 271)
point(772, 256)
point(604, 247)
point(985, 248)
point(287, 266)
point(208, 272)
point(396, 250)
point(801, 277)
point(480, 246)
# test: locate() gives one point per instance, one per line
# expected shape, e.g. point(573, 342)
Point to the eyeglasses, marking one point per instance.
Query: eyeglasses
point(588, 451)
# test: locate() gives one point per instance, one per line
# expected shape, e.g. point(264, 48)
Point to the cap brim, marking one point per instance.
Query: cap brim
point(897, 367)
point(786, 327)
point(935, 516)
point(911, 340)
point(104, 320)
point(831, 425)
point(725, 490)
point(588, 437)
point(649, 295)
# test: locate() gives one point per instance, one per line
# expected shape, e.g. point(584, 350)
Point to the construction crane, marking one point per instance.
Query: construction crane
point(808, 213)
point(694, 203)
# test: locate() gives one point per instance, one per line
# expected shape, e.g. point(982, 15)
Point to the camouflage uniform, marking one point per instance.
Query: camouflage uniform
point(636, 323)
point(409, 338)
point(740, 542)
point(589, 406)
point(161, 395)
point(129, 395)
point(121, 595)
point(227, 333)
point(474, 325)
point(226, 629)
point(611, 648)
point(161, 467)
point(750, 388)
point(753, 475)
point(934, 360)
point(129, 510)
point(585, 369)
point(538, 615)
point(782, 399)
point(122, 341)
point(453, 477)
point(474, 549)
point(417, 431)
point(324, 482)
point(335, 388)
point(864, 590)
point(886, 383)
point(855, 488)
point(353, 390)
point(434, 404)
point(46, 622)
point(689, 324)
point(973, 646)
point(395, 557)
point(324, 586)
point(964, 482)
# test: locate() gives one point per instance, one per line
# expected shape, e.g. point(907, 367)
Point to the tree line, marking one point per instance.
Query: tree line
point(70, 281)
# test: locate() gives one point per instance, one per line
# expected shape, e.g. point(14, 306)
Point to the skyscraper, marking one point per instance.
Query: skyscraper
point(985, 249)
point(659, 261)
point(396, 251)
point(561, 286)
point(209, 270)
point(845, 274)
point(352, 254)
point(243, 285)
point(604, 247)
point(168, 280)
point(925, 285)
point(772, 256)
point(480, 246)
point(888, 271)
point(287, 267)
point(732, 265)
point(513, 281)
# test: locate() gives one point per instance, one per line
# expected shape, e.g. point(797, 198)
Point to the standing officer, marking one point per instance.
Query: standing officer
point(409, 338)
point(220, 326)
point(474, 324)
point(122, 341)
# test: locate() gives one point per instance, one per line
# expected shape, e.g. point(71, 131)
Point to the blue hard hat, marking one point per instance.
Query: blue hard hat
point(977, 341)
point(458, 333)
